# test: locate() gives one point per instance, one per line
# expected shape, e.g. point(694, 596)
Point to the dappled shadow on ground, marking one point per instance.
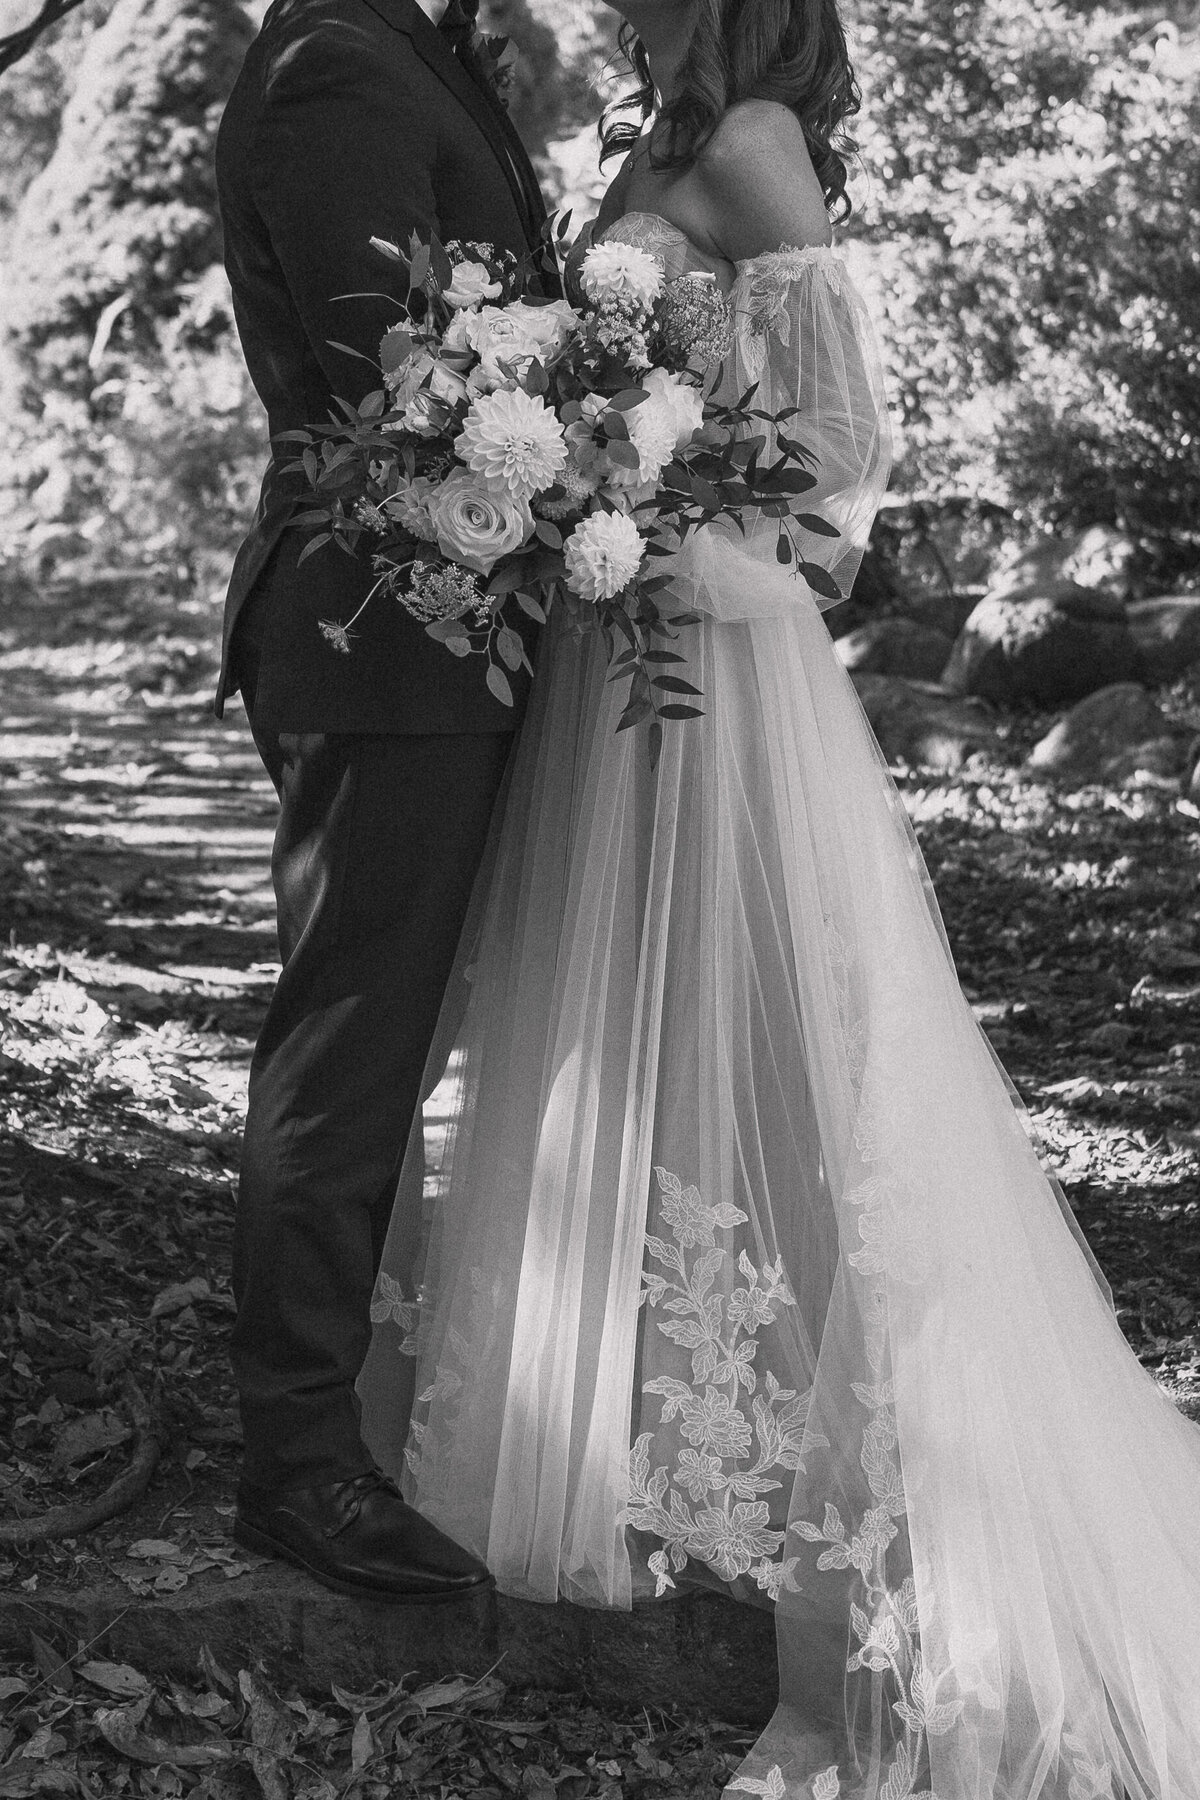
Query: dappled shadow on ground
point(134, 844)
point(139, 954)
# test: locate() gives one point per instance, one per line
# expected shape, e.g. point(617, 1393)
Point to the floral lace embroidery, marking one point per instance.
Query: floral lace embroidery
point(727, 1524)
point(760, 296)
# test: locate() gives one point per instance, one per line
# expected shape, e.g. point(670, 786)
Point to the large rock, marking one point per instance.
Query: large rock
point(1098, 561)
point(920, 724)
point(895, 647)
point(943, 611)
point(1112, 735)
point(1042, 649)
point(701, 1650)
point(1167, 633)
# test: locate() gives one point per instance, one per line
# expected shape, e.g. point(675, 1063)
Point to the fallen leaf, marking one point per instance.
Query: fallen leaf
point(362, 1744)
point(115, 1678)
point(45, 1743)
point(54, 1666)
point(86, 1437)
point(120, 1727)
point(154, 1549)
point(173, 1299)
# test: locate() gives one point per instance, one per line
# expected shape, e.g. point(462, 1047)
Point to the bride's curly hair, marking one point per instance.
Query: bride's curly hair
point(793, 51)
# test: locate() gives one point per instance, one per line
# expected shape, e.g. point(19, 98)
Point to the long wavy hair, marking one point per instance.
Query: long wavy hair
point(793, 51)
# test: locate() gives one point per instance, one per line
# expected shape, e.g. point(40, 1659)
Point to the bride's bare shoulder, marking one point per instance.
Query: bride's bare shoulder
point(757, 183)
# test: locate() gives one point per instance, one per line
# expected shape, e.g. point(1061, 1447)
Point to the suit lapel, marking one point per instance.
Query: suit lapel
point(406, 16)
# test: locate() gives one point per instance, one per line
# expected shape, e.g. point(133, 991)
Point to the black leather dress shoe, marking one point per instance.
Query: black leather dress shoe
point(358, 1537)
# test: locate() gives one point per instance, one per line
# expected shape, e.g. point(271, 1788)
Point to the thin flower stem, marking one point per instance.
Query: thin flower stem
point(380, 583)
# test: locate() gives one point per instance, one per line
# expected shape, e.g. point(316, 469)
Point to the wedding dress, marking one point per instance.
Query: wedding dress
point(740, 1264)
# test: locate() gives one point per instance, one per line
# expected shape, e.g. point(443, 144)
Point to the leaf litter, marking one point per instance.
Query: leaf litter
point(133, 859)
point(224, 1738)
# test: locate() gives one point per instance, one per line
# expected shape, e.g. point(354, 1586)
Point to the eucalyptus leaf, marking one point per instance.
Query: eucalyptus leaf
point(499, 685)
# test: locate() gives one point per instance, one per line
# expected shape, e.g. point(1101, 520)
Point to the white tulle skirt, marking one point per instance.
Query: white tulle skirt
point(741, 1267)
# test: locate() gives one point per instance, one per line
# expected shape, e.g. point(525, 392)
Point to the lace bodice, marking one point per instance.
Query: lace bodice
point(650, 231)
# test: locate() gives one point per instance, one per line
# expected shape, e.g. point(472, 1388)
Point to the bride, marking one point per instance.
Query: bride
point(740, 1267)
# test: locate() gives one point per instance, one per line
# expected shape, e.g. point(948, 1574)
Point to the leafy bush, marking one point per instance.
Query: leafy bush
point(140, 427)
point(1035, 216)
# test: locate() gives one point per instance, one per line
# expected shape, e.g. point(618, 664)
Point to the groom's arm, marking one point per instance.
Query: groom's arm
point(342, 152)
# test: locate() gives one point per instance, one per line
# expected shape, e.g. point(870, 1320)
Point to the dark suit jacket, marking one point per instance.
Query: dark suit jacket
point(350, 119)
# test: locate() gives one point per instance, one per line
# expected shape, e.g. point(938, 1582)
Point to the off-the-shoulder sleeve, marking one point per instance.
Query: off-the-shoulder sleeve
point(803, 338)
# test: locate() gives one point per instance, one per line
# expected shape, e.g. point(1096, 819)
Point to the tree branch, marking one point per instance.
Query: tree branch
point(85, 1515)
point(19, 43)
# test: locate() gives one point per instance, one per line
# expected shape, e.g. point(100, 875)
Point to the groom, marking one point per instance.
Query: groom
point(350, 119)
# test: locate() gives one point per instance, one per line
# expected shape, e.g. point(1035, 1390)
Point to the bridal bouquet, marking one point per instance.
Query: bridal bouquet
point(524, 453)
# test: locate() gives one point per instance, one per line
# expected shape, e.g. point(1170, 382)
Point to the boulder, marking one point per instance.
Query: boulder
point(1113, 734)
point(920, 724)
point(941, 610)
point(895, 647)
point(1098, 561)
point(1042, 649)
point(1166, 631)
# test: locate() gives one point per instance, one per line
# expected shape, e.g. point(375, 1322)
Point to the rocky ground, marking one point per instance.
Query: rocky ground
point(137, 956)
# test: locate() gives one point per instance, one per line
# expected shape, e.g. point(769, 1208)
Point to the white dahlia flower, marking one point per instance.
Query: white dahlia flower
point(514, 441)
point(602, 555)
point(623, 275)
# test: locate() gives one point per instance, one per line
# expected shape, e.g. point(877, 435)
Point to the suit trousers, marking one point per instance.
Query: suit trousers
point(378, 844)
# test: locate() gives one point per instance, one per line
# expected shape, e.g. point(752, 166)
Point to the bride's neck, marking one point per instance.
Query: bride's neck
point(665, 28)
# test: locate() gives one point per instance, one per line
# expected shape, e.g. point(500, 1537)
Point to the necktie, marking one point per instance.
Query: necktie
point(458, 25)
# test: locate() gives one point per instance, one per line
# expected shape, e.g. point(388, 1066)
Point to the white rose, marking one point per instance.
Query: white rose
point(475, 526)
point(510, 334)
point(418, 384)
point(457, 335)
point(602, 555)
point(471, 284)
point(622, 275)
point(682, 398)
point(551, 327)
point(652, 432)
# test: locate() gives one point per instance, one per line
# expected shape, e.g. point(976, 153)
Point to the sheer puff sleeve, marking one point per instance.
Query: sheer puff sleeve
point(803, 338)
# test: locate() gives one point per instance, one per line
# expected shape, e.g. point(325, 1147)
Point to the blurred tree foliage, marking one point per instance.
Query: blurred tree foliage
point(1036, 220)
point(139, 425)
point(1031, 219)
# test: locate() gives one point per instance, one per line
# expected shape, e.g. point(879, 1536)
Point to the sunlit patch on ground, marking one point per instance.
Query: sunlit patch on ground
point(137, 958)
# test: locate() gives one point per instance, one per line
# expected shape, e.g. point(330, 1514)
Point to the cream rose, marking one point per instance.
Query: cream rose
point(470, 285)
point(418, 385)
point(678, 398)
point(475, 526)
point(510, 335)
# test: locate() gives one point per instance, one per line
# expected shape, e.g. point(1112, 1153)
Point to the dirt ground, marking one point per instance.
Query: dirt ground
point(137, 955)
